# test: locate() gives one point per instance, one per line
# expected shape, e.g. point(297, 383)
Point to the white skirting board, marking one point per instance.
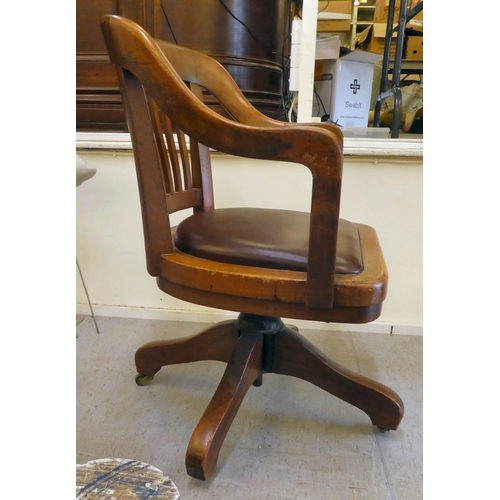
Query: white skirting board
point(215, 316)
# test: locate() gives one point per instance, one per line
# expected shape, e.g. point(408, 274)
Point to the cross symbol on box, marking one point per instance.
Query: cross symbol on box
point(355, 86)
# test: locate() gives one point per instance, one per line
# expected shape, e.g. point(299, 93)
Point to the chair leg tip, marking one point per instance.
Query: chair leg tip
point(388, 422)
point(198, 471)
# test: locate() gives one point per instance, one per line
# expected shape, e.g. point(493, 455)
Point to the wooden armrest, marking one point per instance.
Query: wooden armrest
point(219, 82)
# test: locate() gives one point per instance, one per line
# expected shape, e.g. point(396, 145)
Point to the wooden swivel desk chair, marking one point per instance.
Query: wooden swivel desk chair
point(265, 264)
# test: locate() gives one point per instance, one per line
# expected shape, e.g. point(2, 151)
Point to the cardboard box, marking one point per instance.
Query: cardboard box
point(382, 10)
point(417, 23)
point(334, 16)
point(345, 88)
point(372, 39)
point(415, 48)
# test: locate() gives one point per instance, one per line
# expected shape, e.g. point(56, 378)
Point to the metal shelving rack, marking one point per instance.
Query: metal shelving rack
point(356, 22)
point(405, 16)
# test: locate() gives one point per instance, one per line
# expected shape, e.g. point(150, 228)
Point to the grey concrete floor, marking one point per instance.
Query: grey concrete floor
point(289, 440)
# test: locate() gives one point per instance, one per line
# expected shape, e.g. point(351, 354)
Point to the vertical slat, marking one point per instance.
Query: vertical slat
point(201, 164)
point(186, 167)
point(162, 150)
point(172, 150)
point(202, 174)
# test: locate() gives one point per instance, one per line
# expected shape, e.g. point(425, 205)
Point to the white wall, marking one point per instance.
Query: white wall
point(383, 192)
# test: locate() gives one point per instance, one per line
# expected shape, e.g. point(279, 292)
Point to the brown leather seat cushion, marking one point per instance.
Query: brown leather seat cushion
point(275, 239)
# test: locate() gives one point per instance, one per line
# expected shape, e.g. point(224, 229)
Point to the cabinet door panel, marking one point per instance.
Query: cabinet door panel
point(98, 101)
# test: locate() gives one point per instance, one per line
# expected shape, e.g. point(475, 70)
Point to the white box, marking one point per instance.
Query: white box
point(346, 94)
point(327, 47)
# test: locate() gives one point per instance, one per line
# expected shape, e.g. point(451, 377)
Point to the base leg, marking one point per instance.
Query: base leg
point(215, 343)
point(242, 370)
point(297, 357)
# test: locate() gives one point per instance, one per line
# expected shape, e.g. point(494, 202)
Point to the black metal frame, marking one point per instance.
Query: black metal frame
point(404, 17)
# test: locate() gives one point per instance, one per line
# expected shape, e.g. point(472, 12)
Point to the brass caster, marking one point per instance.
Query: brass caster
point(143, 379)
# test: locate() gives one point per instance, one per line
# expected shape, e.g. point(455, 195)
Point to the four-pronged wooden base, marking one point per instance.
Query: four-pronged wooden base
point(251, 346)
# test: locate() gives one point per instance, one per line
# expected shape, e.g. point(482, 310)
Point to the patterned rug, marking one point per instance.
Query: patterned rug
point(122, 479)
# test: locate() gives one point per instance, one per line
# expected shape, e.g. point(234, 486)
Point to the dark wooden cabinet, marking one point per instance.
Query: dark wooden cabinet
point(251, 39)
point(98, 101)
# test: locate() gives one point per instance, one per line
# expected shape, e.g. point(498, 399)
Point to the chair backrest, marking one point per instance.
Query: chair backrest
point(161, 81)
point(171, 176)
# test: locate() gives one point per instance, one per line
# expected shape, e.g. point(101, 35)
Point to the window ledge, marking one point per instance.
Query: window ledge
point(352, 146)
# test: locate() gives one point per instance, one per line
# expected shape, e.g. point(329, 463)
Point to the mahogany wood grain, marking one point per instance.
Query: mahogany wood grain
point(338, 314)
point(295, 356)
point(161, 85)
point(242, 370)
point(351, 290)
point(201, 165)
point(320, 150)
point(215, 343)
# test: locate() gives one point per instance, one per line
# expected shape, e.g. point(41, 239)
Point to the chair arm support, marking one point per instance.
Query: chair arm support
point(317, 149)
point(314, 147)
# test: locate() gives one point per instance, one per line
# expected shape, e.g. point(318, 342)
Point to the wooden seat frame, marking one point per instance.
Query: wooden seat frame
point(162, 90)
